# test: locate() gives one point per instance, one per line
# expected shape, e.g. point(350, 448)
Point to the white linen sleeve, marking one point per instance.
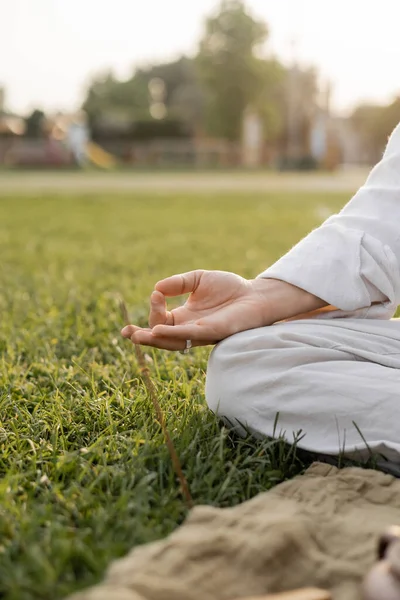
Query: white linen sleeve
point(352, 260)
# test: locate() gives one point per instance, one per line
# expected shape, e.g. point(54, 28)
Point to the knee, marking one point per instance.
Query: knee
point(223, 361)
point(238, 371)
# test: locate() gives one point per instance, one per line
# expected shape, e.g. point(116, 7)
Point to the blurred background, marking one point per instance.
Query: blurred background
point(268, 84)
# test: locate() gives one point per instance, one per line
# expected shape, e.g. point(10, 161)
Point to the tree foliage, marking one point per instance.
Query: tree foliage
point(231, 70)
point(374, 124)
point(131, 101)
point(211, 91)
point(34, 124)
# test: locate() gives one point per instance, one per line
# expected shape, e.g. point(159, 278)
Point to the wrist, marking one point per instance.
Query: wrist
point(282, 300)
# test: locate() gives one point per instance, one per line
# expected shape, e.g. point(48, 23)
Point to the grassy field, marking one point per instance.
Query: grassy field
point(84, 471)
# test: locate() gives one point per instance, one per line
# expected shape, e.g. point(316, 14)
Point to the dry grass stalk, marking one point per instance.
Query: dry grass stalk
point(152, 392)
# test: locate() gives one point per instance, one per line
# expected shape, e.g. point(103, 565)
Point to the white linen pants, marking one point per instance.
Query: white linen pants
point(330, 378)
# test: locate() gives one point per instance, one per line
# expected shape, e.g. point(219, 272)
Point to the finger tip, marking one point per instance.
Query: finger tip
point(126, 332)
point(157, 295)
point(136, 337)
point(158, 288)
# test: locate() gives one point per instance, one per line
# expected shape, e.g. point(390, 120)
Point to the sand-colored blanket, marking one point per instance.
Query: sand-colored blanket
point(319, 529)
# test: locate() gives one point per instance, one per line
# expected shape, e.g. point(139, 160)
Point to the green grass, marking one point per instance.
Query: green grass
point(84, 471)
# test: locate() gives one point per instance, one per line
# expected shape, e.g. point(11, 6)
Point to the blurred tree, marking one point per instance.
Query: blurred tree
point(131, 101)
point(209, 92)
point(34, 124)
point(390, 117)
point(110, 99)
point(232, 73)
point(374, 124)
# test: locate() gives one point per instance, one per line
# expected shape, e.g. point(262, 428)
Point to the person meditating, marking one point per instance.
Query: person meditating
point(311, 338)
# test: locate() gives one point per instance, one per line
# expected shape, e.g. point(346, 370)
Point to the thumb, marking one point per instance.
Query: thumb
point(177, 285)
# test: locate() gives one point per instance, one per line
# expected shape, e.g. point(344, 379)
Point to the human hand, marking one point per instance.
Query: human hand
point(219, 305)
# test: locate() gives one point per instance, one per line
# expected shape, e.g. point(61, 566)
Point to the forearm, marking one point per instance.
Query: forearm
point(283, 301)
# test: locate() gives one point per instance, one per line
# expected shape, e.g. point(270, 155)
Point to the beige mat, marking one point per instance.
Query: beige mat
point(319, 529)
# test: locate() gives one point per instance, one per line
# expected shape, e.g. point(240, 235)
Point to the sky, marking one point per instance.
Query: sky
point(49, 49)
